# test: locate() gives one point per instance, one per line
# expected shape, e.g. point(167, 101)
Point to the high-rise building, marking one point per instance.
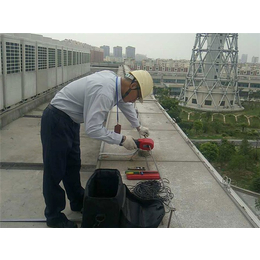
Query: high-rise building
point(244, 58)
point(140, 57)
point(117, 51)
point(96, 54)
point(130, 52)
point(106, 50)
point(255, 59)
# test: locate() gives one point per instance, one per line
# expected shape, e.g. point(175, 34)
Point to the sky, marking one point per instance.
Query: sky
point(158, 45)
point(163, 29)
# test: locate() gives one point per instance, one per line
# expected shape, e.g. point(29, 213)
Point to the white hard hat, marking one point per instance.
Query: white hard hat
point(145, 82)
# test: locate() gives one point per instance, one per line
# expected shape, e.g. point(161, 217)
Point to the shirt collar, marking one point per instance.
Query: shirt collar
point(119, 88)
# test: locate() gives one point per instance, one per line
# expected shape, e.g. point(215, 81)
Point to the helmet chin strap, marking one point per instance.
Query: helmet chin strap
point(129, 90)
point(127, 93)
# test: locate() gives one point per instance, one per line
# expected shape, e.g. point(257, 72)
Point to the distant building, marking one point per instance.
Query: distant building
point(117, 51)
point(106, 50)
point(255, 59)
point(96, 54)
point(244, 58)
point(130, 52)
point(140, 57)
point(159, 65)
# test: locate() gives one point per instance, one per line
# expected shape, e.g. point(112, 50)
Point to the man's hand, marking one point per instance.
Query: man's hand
point(143, 131)
point(129, 143)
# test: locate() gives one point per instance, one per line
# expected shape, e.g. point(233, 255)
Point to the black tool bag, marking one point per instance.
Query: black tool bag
point(103, 199)
point(108, 203)
point(140, 213)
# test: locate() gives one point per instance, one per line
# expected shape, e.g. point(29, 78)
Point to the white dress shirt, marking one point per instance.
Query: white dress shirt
point(89, 100)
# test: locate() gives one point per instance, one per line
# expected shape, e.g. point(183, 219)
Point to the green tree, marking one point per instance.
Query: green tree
point(243, 127)
point(246, 151)
point(226, 151)
point(216, 126)
point(206, 128)
point(237, 163)
point(245, 148)
point(198, 126)
point(210, 151)
point(171, 105)
point(175, 113)
point(255, 177)
point(186, 126)
point(208, 116)
point(162, 93)
point(256, 185)
point(257, 204)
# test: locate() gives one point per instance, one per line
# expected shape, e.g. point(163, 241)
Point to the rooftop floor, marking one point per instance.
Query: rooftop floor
point(201, 198)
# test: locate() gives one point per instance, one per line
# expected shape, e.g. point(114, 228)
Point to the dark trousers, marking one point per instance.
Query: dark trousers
point(61, 159)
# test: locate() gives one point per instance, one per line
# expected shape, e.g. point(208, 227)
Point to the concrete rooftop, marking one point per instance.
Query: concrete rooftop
point(201, 198)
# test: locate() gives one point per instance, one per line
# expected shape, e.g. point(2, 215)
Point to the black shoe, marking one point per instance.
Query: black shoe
point(77, 206)
point(61, 222)
point(78, 210)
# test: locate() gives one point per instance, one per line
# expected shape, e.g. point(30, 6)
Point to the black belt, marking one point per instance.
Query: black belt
point(61, 113)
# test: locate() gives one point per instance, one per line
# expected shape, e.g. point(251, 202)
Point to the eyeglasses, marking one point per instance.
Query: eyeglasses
point(137, 88)
point(138, 93)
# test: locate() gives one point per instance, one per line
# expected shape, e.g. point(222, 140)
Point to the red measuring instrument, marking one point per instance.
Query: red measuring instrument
point(142, 175)
point(148, 176)
point(146, 144)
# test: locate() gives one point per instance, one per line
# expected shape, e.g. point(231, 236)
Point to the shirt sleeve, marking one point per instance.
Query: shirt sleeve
point(95, 116)
point(129, 112)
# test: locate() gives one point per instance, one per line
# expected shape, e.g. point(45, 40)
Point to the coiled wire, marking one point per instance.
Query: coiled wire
point(154, 189)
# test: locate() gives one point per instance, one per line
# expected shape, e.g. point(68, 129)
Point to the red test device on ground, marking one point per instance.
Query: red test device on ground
point(148, 176)
point(145, 144)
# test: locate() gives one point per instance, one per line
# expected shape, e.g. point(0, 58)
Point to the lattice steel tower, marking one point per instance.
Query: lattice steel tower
point(211, 81)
